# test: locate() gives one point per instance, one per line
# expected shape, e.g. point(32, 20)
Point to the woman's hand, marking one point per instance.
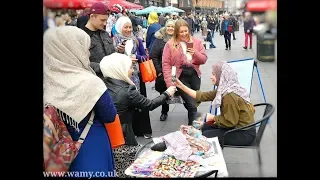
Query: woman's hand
point(178, 83)
point(171, 90)
point(210, 117)
point(191, 51)
point(120, 48)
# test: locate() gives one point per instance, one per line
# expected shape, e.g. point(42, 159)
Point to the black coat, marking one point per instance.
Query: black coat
point(101, 46)
point(156, 56)
point(127, 101)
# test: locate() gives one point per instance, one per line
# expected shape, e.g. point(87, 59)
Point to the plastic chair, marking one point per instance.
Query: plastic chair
point(269, 110)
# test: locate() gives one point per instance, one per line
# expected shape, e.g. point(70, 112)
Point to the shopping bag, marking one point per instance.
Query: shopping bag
point(115, 133)
point(153, 69)
point(230, 28)
point(146, 71)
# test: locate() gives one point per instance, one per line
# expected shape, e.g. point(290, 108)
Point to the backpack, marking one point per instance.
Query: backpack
point(58, 147)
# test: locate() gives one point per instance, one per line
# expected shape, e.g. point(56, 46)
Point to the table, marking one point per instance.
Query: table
point(217, 169)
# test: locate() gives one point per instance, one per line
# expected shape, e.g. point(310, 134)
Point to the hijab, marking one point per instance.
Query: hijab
point(119, 37)
point(227, 83)
point(116, 66)
point(69, 82)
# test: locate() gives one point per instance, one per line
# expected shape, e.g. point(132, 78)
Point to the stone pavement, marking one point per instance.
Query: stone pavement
point(240, 162)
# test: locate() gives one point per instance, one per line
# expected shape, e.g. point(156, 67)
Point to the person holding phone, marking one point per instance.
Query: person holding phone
point(186, 53)
point(124, 35)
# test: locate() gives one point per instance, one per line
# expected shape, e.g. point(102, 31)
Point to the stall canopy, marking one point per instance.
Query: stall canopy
point(149, 10)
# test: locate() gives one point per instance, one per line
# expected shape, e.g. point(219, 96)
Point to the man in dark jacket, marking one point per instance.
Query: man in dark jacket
point(162, 20)
point(101, 42)
point(190, 21)
point(211, 26)
point(248, 25)
point(233, 21)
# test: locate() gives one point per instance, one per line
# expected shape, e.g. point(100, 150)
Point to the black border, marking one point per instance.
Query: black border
point(25, 62)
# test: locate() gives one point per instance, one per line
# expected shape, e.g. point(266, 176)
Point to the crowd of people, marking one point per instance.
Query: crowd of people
point(88, 68)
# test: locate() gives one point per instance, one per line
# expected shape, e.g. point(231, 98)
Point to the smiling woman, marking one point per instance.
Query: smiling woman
point(162, 37)
point(187, 60)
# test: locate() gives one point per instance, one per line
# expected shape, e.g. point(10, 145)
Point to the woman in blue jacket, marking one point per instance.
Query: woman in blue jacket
point(76, 91)
point(154, 26)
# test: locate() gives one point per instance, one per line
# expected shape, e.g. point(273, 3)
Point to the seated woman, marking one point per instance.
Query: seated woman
point(234, 102)
point(117, 69)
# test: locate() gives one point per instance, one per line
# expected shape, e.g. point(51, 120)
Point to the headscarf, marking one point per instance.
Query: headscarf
point(227, 82)
point(153, 18)
point(69, 82)
point(119, 37)
point(116, 66)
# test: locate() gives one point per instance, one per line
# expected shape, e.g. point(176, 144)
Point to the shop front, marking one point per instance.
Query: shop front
point(185, 5)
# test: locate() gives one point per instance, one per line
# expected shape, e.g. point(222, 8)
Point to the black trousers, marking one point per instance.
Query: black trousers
point(190, 78)
point(234, 37)
point(160, 86)
point(141, 121)
point(238, 138)
point(227, 38)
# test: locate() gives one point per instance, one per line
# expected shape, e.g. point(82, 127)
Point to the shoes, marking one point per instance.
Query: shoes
point(163, 117)
point(245, 47)
point(234, 39)
point(229, 48)
point(147, 136)
point(250, 47)
point(226, 49)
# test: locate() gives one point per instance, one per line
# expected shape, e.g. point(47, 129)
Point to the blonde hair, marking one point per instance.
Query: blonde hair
point(179, 23)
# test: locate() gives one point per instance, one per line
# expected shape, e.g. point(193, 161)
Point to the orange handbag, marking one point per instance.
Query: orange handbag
point(115, 133)
point(153, 69)
point(146, 69)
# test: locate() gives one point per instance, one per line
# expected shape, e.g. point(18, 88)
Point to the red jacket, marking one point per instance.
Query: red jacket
point(175, 57)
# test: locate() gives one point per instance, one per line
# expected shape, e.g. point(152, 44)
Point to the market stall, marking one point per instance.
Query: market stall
point(205, 160)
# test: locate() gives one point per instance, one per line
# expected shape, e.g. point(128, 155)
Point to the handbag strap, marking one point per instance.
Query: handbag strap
point(86, 129)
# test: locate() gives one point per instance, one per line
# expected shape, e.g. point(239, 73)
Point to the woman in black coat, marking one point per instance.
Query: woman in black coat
point(117, 70)
point(162, 36)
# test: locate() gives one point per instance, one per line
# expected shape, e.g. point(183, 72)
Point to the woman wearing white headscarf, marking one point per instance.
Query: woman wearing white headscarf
point(123, 26)
point(236, 109)
point(117, 70)
point(68, 82)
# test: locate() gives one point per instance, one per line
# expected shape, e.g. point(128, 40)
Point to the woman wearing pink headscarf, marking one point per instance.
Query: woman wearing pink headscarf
point(234, 102)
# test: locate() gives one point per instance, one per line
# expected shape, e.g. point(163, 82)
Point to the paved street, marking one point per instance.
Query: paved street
point(240, 162)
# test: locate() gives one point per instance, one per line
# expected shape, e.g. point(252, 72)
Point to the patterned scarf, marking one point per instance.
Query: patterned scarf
point(227, 82)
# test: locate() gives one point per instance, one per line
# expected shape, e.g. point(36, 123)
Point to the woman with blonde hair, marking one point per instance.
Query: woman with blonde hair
point(162, 37)
point(186, 54)
point(154, 26)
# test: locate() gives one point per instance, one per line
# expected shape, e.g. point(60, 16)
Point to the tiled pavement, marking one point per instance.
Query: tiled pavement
point(240, 162)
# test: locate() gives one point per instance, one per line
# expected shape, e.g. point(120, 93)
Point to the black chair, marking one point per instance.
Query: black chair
point(269, 110)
